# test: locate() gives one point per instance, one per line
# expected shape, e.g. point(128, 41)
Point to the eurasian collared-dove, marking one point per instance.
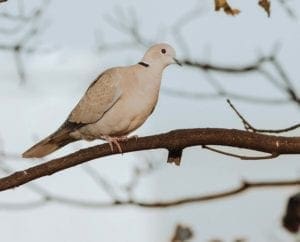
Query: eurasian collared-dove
point(115, 104)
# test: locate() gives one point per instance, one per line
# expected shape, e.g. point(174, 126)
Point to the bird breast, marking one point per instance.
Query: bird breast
point(138, 99)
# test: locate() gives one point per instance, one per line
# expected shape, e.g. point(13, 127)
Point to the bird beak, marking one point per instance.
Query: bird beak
point(177, 62)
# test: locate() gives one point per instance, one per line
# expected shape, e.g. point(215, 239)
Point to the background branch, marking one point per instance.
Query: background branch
point(25, 27)
point(243, 187)
point(267, 66)
point(249, 127)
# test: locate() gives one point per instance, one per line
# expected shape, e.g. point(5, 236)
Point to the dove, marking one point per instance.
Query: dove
point(118, 102)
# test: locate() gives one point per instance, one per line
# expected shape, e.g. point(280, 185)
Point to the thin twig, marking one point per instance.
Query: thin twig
point(227, 69)
point(26, 28)
point(242, 157)
point(197, 95)
point(103, 183)
point(250, 127)
point(290, 12)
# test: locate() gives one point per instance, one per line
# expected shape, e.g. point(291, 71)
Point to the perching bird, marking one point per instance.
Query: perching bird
point(115, 104)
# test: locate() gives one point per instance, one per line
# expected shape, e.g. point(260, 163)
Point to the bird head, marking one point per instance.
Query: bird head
point(160, 55)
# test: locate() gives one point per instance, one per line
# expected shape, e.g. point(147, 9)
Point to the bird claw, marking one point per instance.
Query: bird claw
point(111, 141)
point(115, 140)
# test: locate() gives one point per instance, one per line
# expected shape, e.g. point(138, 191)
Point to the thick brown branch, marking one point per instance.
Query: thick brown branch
point(174, 140)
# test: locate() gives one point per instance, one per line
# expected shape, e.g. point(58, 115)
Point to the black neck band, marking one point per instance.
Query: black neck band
point(143, 64)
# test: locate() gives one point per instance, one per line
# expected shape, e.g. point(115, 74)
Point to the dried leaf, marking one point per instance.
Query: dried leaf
point(182, 234)
point(266, 5)
point(223, 4)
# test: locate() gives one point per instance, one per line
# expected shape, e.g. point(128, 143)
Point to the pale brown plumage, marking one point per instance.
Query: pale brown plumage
point(92, 106)
point(115, 104)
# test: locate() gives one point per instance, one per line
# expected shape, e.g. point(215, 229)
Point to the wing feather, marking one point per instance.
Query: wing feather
point(101, 95)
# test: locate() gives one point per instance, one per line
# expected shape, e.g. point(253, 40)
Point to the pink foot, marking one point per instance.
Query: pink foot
point(111, 141)
point(115, 140)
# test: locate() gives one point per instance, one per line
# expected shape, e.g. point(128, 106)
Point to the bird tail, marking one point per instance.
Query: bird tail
point(50, 144)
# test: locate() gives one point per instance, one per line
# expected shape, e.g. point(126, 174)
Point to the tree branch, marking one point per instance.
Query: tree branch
point(227, 69)
point(243, 187)
point(242, 157)
point(249, 127)
point(173, 140)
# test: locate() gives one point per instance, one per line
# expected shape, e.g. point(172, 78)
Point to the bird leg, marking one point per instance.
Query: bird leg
point(111, 141)
point(115, 140)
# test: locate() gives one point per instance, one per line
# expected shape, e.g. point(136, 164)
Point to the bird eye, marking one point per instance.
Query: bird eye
point(163, 51)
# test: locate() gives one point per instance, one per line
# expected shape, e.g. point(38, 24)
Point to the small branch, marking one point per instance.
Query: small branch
point(174, 140)
point(289, 88)
point(228, 94)
point(26, 28)
point(287, 9)
point(178, 26)
point(226, 69)
point(250, 127)
point(103, 183)
point(242, 157)
point(138, 173)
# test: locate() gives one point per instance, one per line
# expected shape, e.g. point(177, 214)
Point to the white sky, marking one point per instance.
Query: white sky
point(68, 62)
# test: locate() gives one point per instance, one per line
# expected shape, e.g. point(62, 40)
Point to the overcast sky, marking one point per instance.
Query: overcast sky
point(66, 62)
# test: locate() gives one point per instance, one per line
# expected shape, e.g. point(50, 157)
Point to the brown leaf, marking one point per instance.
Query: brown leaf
point(223, 4)
point(266, 5)
point(182, 234)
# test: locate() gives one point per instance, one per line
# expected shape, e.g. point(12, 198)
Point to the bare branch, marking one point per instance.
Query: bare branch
point(103, 183)
point(250, 127)
point(178, 26)
point(173, 140)
point(227, 94)
point(290, 12)
point(27, 26)
point(243, 187)
point(139, 172)
point(242, 157)
point(127, 23)
point(227, 69)
point(290, 89)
